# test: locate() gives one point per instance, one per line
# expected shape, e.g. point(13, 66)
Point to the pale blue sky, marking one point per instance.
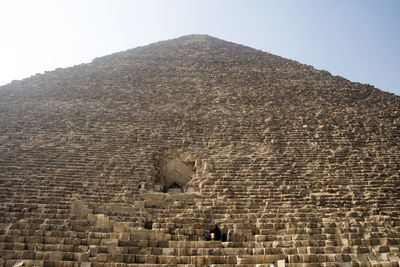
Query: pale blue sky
point(356, 39)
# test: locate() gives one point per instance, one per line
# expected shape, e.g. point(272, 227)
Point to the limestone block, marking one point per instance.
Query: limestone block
point(34, 239)
point(139, 204)
point(115, 257)
point(19, 246)
point(119, 227)
point(145, 251)
point(92, 241)
point(168, 251)
point(293, 259)
point(53, 240)
point(139, 258)
point(311, 264)
point(140, 235)
point(39, 255)
point(258, 251)
point(81, 256)
point(383, 249)
point(157, 251)
point(182, 251)
point(134, 250)
point(170, 226)
point(163, 243)
point(243, 260)
point(260, 238)
point(153, 243)
point(150, 259)
point(109, 242)
point(197, 261)
point(93, 250)
point(117, 250)
point(390, 264)
point(129, 258)
point(167, 259)
point(101, 257)
point(83, 248)
point(124, 236)
point(142, 243)
point(199, 232)
point(55, 256)
point(323, 258)
point(159, 236)
point(309, 258)
point(302, 250)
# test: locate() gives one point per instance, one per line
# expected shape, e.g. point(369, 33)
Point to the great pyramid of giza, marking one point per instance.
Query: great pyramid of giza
point(133, 158)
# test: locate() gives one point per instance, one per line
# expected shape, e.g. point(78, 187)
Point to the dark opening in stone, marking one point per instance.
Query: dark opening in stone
point(148, 225)
point(174, 188)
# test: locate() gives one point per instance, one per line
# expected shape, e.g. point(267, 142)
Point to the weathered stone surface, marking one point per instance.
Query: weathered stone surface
point(297, 164)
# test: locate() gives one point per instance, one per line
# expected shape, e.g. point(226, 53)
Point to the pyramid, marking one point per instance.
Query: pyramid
point(133, 158)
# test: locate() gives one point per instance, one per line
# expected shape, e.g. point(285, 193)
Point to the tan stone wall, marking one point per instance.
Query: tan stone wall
point(300, 165)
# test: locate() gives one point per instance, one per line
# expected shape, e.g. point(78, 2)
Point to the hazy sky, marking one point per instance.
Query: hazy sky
point(356, 39)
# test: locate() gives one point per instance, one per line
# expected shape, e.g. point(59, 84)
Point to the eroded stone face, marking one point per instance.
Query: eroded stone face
point(176, 172)
point(176, 169)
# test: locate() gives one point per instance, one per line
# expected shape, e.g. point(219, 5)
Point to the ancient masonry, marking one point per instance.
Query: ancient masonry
point(130, 159)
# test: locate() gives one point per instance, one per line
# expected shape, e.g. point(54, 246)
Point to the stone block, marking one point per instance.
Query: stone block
point(140, 235)
point(280, 263)
point(93, 250)
point(115, 257)
point(129, 258)
point(168, 251)
point(197, 261)
point(83, 248)
point(116, 250)
point(19, 246)
point(150, 259)
point(163, 243)
point(101, 257)
point(82, 256)
point(159, 236)
point(53, 240)
point(34, 239)
point(390, 264)
point(143, 243)
point(167, 259)
point(152, 243)
point(39, 255)
point(124, 236)
point(76, 241)
point(91, 241)
point(119, 227)
point(260, 238)
point(243, 260)
point(383, 249)
point(157, 251)
point(55, 256)
point(109, 242)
